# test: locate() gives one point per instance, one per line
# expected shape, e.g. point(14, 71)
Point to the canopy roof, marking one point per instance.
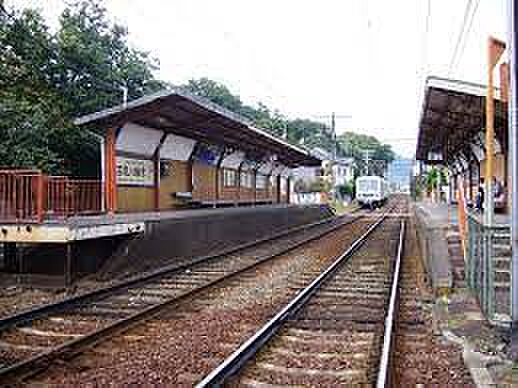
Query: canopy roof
point(181, 113)
point(453, 115)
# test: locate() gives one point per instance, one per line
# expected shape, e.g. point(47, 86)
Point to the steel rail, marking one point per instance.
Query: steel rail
point(390, 320)
point(247, 350)
point(41, 311)
point(68, 349)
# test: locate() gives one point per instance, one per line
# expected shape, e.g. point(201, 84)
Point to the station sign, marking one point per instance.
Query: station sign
point(435, 156)
point(135, 172)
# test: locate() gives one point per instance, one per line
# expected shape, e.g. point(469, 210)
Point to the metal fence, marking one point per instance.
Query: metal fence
point(488, 267)
point(31, 196)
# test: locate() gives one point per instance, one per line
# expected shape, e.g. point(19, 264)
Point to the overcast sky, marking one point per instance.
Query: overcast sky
point(359, 58)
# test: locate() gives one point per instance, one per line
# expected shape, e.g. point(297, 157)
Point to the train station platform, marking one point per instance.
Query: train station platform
point(433, 221)
point(76, 228)
point(460, 312)
point(128, 243)
point(439, 227)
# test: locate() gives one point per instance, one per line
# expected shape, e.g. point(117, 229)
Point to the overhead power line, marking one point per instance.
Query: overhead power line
point(424, 55)
point(468, 32)
point(465, 30)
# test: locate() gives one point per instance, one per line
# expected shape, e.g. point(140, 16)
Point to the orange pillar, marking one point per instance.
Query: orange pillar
point(504, 81)
point(111, 173)
point(156, 162)
point(495, 50)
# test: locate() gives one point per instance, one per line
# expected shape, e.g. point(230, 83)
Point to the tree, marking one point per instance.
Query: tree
point(46, 80)
point(356, 145)
point(32, 129)
point(95, 61)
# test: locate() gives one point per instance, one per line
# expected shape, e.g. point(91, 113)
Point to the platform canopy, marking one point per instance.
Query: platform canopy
point(174, 111)
point(452, 119)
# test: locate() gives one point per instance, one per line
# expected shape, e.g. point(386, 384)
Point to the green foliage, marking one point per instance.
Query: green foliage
point(346, 189)
point(314, 186)
point(355, 145)
point(435, 178)
point(300, 131)
point(48, 79)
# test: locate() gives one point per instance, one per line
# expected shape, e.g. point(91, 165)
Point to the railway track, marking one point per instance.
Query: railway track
point(32, 340)
point(337, 331)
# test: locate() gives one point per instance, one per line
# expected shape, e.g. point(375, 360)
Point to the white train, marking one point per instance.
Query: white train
point(371, 190)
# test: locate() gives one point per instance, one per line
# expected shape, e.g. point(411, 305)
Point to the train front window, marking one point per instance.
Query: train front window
point(368, 185)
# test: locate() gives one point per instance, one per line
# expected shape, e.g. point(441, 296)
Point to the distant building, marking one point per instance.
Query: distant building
point(399, 174)
point(330, 174)
point(343, 171)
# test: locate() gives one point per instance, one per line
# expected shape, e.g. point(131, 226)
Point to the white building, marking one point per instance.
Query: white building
point(336, 173)
point(343, 171)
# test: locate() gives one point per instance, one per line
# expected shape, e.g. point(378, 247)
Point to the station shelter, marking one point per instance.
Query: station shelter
point(160, 155)
point(174, 150)
point(455, 120)
point(167, 151)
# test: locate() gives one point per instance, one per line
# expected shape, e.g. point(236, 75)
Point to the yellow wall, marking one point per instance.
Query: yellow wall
point(135, 198)
point(178, 180)
point(204, 182)
point(498, 168)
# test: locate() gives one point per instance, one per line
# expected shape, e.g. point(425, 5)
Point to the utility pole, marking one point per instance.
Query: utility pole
point(512, 12)
point(333, 131)
point(366, 157)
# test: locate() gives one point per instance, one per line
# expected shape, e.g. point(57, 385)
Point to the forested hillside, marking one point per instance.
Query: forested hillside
point(47, 78)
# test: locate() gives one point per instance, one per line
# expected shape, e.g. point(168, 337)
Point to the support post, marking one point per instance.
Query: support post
point(489, 200)
point(40, 198)
point(111, 172)
point(288, 189)
point(513, 151)
point(254, 184)
point(156, 178)
point(68, 264)
point(495, 51)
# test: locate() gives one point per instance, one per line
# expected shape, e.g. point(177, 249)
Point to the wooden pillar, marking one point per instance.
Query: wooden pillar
point(219, 177)
point(504, 82)
point(278, 194)
point(156, 177)
point(110, 188)
point(254, 185)
point(504, 97)
point(40, 197)
point(288, 189)
point(156, 183)
point(216, 183)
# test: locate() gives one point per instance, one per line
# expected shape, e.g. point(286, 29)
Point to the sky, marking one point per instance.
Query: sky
point(363, 59)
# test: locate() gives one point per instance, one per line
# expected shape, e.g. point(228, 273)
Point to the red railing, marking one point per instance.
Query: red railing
point(21, 195)
point(30, 196)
